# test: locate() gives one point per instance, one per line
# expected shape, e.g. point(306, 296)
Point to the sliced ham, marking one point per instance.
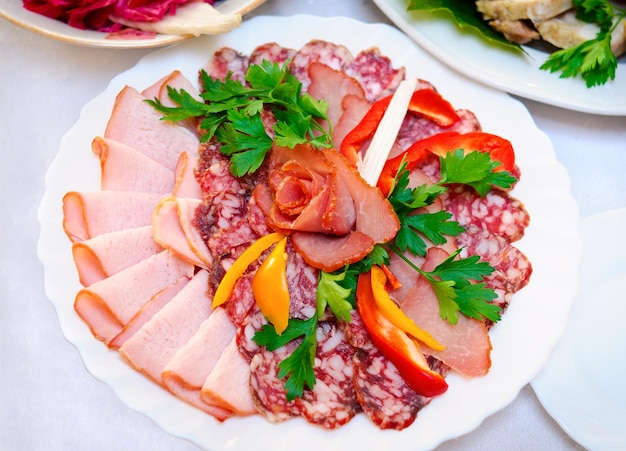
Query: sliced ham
point(104, 255)
point(107, 306)
point(332, 86)
point(161, 140)
point(227, 385)
point(354, 108)
point(89, 214)
point(126, 169)
point(178, 81)
point(157, 341)
point(375, 216)
point(467, 344)
point(185, 374)
point(186, 184)
point(173, 228)
point(175, 80)
point(156, 303)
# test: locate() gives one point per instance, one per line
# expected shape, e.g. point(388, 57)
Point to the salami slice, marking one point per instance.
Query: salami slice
point(513, 269)
point(227, 60)
point(268, 390)
point(375, 73)
point(272, 52)
point(383, 394)
point(333, 55)
point(332, 402)
point(497, 212)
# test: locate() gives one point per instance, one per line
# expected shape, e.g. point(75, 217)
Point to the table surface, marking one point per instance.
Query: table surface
point(48, 401)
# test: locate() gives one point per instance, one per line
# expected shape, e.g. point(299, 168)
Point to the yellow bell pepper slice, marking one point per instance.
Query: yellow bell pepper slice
point(251, 254)
point(269, 287)
point(394, 314)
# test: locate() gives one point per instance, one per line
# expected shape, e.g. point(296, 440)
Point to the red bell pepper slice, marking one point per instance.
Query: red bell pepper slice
point(396, 345)
point(426, 102)
point(440, 144)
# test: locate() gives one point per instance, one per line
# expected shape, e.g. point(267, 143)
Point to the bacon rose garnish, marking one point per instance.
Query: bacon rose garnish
point(333, 216)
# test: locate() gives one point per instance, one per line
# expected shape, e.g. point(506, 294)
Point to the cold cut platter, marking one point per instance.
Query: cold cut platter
point(551, 243)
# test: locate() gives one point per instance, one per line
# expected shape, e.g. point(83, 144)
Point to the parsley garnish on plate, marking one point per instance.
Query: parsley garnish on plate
point(594, 59)
point(232, 113)
point(453, 279)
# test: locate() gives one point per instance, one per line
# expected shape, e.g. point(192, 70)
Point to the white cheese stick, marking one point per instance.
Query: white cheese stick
point(387, 131)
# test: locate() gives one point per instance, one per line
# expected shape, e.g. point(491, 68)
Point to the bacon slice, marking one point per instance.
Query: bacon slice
point(126, 169)
point(107, 306)
point(375, 215)
point(89, 214)
point(155, 344)
point(186, 372)
point(104, 255)
point(173, 228)
point(467, 343)
point(332, 86)
point(354, 108)
point(330, 253)
point(162, 141)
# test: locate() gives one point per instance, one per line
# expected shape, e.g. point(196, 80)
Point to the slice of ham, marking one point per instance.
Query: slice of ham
point(161, 140)
point(354, 108)
point(467, 344)
point(332, 86)
point(173, 228)
point(375, 215)
point(227, 385)
point(156, 303)
point(186, 372)
point(107, 306)
point(178, 81)
point(89, 214)
point(126, 169)
point(104, 255)
point(157, 341)
point(185, 183)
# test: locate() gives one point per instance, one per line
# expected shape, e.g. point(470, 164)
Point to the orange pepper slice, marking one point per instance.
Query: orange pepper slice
point(396, 345)
point(250, 255)
point(394, 314)
point(269, 287)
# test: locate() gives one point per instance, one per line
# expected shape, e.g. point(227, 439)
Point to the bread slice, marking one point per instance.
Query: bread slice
point(506, 10)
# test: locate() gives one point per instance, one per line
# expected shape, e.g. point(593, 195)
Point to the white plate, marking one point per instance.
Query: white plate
point(14, 11)
point(509, 71)
point(582, 386)
point(552, 243)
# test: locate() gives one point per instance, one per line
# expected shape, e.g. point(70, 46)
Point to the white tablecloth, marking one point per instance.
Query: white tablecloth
point(48, 401)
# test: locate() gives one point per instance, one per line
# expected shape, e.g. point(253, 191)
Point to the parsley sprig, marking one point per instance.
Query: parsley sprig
point(457, 282)
point(298, 367)
point(594, 59)
point(475, 169)
point(231, 112)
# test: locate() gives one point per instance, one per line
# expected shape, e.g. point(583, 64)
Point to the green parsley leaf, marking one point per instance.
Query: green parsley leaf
point(332, 294)
point(593, 60)
point(230, 112)
point(474, 169)
point(298, 367)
